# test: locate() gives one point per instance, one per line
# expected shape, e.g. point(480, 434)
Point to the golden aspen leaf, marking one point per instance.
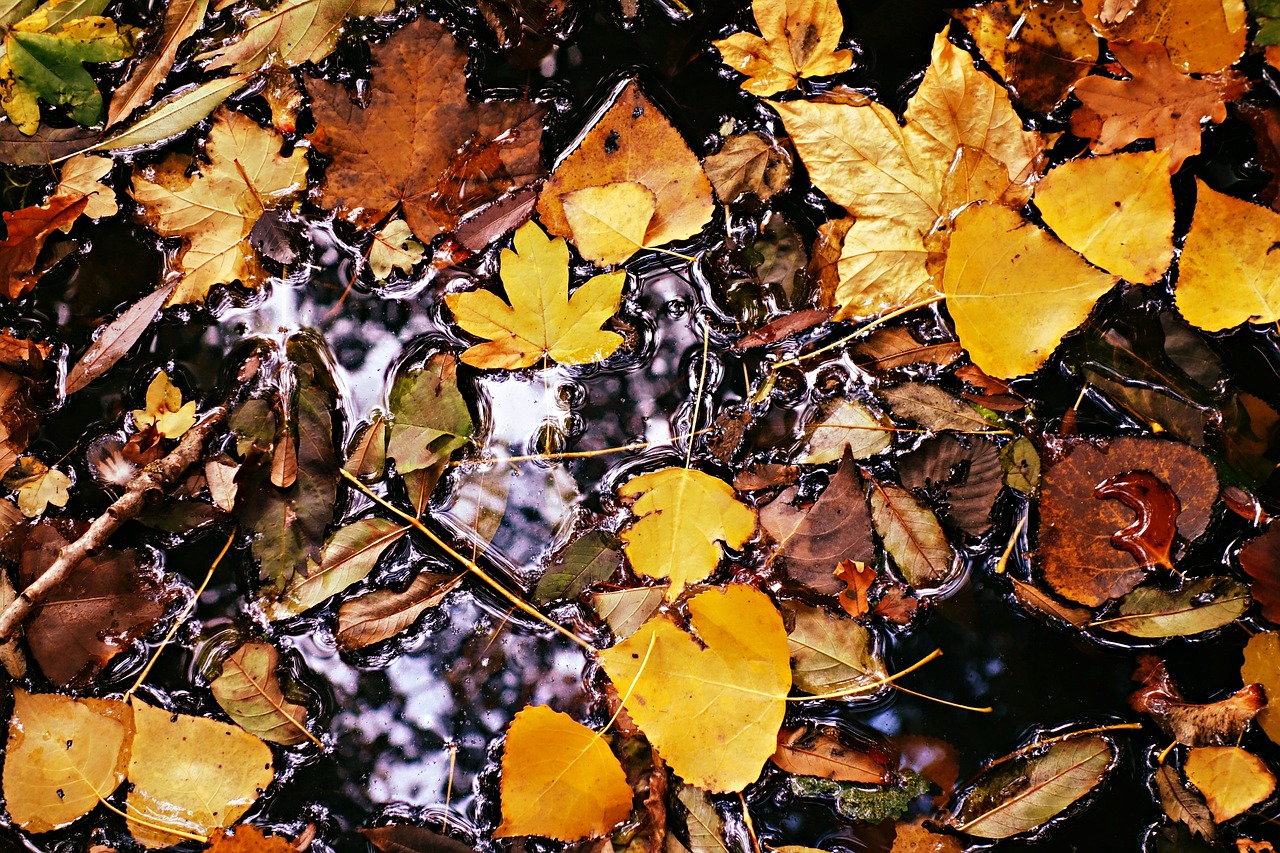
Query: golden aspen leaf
point(609, 221)
point(559, 779)
point(633, 141)
point(711, 706)
point(1013, 290)
point(1117, 211)
point(1231, 779)
point(191, 774)
point(798, 39)
point(64, 755)
point(37, 485)
point(683, 516)
point(1202, 36)
point(1262, 666)
point(1229, 272)
point(165, 410)
point(543, 320)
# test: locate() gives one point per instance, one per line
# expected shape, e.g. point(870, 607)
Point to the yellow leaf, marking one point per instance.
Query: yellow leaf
point(1229, 272)
point(1231, 779)
point(192, 774)
point(1202, 36)
point(82, 176)
point(559, 779)
point(165, 409)
point(609, 222)
point(798, 38)
point(1117, 211)
point(214, 210)
point(683, 515)
point(1013, 290)
point(542, 319)
point(634, 141)
point(37, 485)
point(63, 756)
point(711, 706)
point(1262, 666)
point(394, 246)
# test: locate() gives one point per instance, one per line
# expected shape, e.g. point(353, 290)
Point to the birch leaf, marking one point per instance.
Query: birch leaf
point(609, 221)
point(383, 614)
point(1262, 666)
point(249, 691)
point(829, 654)
point(1231, 779)
point(798, 39)
point(912, 536)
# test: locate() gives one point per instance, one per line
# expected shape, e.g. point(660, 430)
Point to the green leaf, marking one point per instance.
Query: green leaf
point(430, 417)
point(349, 555)
point(1202, 605)
point(867, 803)
point(587, 560)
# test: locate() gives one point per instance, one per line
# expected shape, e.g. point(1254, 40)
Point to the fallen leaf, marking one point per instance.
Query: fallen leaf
point(932, 408)
point(1024, 793)
point(181, 20)
point(383, 614)
point(1181, 803)
point(453, 156)
point(633, 142)
point(912, 536)
point(1195, 725)
point(81, 177)
point(37, 486)
point(682, 517)
point(247, 838)
point(797, 40)
point(609, 221)
point(542, 321)
point(1032, 598)
point(367, 451)
point(897, 346)
point(784, 327)
point(989, 392)
point(809, 750)
point(909, 838)
point(1201, 36)
point(214, 210)
point(1203, 604)
point(1262, 666)
point(294, 32)
point(1117, 211)
point(64, 756)
point(1156, 102)
point(116, 339)
point(406, 838)
point(248, 689)
point(165, 411)
point(18, 416)
point(394, 246)
point(961, 480)
point(26, 231)
point(587, 560)
point(1013, 291)
point(846, 423)
point(748, 164)
point(625, 610)
point(859, 579)
point(172, 115)
point(350, 554)
point(1231, 779)
point(559, 779)
point(831, 654)
point(191, 773)
point(44, 146)
point(430, 420)
point(695, 697)
point(896, 605)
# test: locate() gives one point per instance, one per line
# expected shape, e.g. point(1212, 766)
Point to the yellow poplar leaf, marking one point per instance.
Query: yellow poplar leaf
point(165, 409)
point(1202, 36)
point(543, 320)
point(559, 779)
point(608, 222)
point(1229, 272)
point(192, 774)
point(1117, 211)
point(1262, 666)
point(37, 485)
point(711, 706)
point(1231, 779)
point(634, 141)
point(798, 38)
point(683, 516)
point(64, 755)
point(1013, 290)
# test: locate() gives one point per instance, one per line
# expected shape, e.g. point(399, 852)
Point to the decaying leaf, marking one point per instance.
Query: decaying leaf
point(1231, 779)
point(349, 554)
point(1202, 604)
point(1262, 666)
point(712, 705)
point(961, 480)
point(37, 486)
point(911, 535)
point(587, 560)
point(798, 39)
point(846, 423)
point(625, 610)
point(1215, 723)
point(383, 614)
point(294, 32)
point(249, 691)
point(859, 578)
point(896, 346)
point(748, 163)
point(932, 408)
point(559, 779)
point(1200, 35)
point(809, 750)
point(830, 654)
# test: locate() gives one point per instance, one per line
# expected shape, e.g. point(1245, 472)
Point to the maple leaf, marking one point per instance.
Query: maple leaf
point(748, 163)
point(1157, 102)
point(1201, 36)
point(394, 246)
point(165, 411)
point(451, 155)
point(798, 39)
point(26, 231)
point(215, 210)
point(82, 178)
point(291, 33)
point(542, 319)
point(37, 485)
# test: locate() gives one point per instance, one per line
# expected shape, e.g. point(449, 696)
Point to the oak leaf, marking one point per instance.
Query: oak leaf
point(215, 210)
point(1231, 779)
point(1201, 36)
point(248, 689)
point(859, 579)
point(682, 517)
point(559, 779)
point(711, 706)
point(294, 32)
point(1209, 724)
point(37, 485)
point(452, 155)
point(542, 320)
point(26, 231)
point(797, 40)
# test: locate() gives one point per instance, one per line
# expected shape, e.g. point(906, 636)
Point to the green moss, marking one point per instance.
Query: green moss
point(869, 803)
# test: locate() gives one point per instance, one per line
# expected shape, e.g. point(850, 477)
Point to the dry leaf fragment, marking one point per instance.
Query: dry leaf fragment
point(37, 486)
point(798, 39)
point(294, 32)
point(25, 233)
point(165, 410)
point(1231, 779)
point(394, 246)
point(1195, 725)
point(1201, 36)
point(559, 779)
point(542, 320)
point(748, 163)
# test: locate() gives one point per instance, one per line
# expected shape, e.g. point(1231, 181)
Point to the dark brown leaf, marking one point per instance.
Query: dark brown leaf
point(1149, 538)
point(823, 751)
point(765, 475)
point(990, 393)
point(960, 480)
point(897, 606)
point(381, 615)
point(784, 327)
point(405, 838)
point(45, 145)
point(896, 346)
point(117, 338)
point(1212, 724)
point(1032, 598)
point(1260, 558)
point(1182, 803)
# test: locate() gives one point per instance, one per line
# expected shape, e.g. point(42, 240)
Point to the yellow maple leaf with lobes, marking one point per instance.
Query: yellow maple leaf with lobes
point(797, 39)
point(165, 410)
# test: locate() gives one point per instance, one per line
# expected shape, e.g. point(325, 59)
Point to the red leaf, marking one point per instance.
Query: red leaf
point(859, 578)
point(28, 229)
point(1260, 558)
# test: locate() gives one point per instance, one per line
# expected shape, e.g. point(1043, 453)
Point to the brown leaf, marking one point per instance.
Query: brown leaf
point(961, 480)
point(748, 163)
point(45, 145)
point(911, 535)
point(1183, 804)
point(784, 327)
point(26, 231)
point(765, 475)
point(452, 155)
point(116, 339)
point(18, 419)
point(1260, 559)
point(897, 606)
point(181, 19)
point(809, 750)
point(1032, 598)
point(23, 355)
point(934, 759)
point(381, 615)
point(1157, 102)
point(896, 346)
point(406, 838)
point(859, 578)
point(1215, 723)
point(991, 393)
point(1079, 560)
point(247, 838)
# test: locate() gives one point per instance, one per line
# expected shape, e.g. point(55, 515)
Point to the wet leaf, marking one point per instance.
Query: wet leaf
point(911, 534)
point(830, 654)
point(909, 838)
point(896, 346)
point(249, 691)
point(683, 516)
point(1117, 211)
point(960, 480)
point(625, 610)
point(405, 838)
point(1231, 779)
point(247, 838)
point(811, 542)
point(383, 614)
point(1149, 537)
point(172, 115)
point(748, 164)
point(1214, 723)
point(81, 178)
point(367, 453)
point(932, 408)
point(863, 803)
point(831, 428)
point(165, 412)
point(1201, 605)
point(859, 578)
point(543, 320)
point(116, 339)
point(692, 700)
point(587, 560)
point(1262, 666)
point(455, 155)
point(26, 231)
point(430, 419)
point(63, 756)
point(1200, 35)
point(1037, 600)
point(1181, 803)
point(349, 554)
point(798, 39)
point(394, 246)
point(181, 20)
point(809, 750)
point(43, 146)
point(784, 327)
point(559, 779)
point(1024, 793)
point(191, 773)
point(37, 486)
point(294, 32)
point(609, 221)
point(705, 826)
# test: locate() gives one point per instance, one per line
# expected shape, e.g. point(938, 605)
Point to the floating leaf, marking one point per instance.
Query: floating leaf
point(249, 691)
point(694, 699)
point(349, 554)
point(845, 423)
point(912, 536)
point(859, 579)
point(609, 221)
point(294, 32)
point(1201, 605)
point(406, 838)
point(559, 779)
point(798, 39)
point(1231, 779)
point(1200, 35)
point(181, 20)
point(1023, 793)
point(587, 560)
point(960, 480)
point(682, 517)
point(932, 408)
point(702, 820)
point(896, 346)
point(748, 163)
point(830, 654)
point(430, 419)
point(116, 339)
point(26, 231)
point(625, 610)
point(394, 246)
point(1037, 600)
point(1262, 666)
point(1182, 804)
point(37, 486)
point(1214, 723)
point(81, 177)
point(165, 411)
point(383, 614)
point(809, 750)
point(172, 115)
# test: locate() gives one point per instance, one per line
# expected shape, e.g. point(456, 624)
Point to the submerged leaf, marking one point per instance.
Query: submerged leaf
point(249, 691)
point(808, 750)
point(587, 560)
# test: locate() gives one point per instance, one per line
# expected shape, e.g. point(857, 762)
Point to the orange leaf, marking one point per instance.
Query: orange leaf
point(859, 578)
point(27, 230)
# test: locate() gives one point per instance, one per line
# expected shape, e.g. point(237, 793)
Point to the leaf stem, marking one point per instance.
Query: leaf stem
point(635, 679)
point(892, 315)
point(875, 685)
point(583, 454)
point(1003, 563)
